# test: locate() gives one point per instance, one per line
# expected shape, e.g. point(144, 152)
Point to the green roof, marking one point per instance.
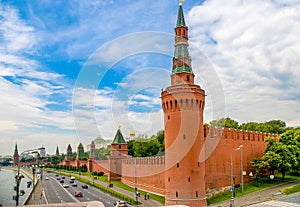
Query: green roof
point(119, 139)
point(180, 17)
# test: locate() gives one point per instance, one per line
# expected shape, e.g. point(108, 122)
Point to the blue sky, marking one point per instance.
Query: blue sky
point(71, 70)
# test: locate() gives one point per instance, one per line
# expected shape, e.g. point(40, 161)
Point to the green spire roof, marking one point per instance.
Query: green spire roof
point(80, 145)
point(180, 17)
point(119, 139)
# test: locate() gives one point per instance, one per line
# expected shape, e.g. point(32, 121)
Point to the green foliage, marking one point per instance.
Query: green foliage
point(292, 189)
point(225, 122)
point(282, 155)
point(143, 146)
point(102, 153)
point(273, 126)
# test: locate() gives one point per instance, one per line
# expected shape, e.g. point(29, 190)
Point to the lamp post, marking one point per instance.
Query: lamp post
point(19, 177)
point(240, 148)
point(232, 184)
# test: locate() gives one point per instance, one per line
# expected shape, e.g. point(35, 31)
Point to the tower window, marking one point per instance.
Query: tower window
point(120, 146)
point(197, 194)
point(184, 136)
point(189, 179)
point(169, 179)
point(188, 78)
point(177, 165)
point(168, 117)
point(176, 194)
point(198, 164)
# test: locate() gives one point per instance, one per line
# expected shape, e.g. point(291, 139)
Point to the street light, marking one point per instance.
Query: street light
point(240, 148)
point(19, 177)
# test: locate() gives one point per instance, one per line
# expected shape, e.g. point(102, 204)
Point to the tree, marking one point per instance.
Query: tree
point(225, 122)
point(282, 155)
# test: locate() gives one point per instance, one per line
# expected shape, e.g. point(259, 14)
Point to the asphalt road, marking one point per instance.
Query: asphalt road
point(56, 193)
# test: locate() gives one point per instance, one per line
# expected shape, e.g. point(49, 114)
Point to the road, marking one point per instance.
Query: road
point(56, 193)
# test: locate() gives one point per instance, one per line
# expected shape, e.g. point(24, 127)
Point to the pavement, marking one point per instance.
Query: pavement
point(265, 197)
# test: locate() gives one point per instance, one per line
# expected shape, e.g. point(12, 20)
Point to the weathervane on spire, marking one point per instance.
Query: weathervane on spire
point(180, 2)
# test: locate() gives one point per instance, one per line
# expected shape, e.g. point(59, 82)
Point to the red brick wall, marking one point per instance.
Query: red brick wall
point(224, 143)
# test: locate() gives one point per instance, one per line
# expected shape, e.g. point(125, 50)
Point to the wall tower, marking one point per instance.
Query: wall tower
point(183, 105)
point(16, 155)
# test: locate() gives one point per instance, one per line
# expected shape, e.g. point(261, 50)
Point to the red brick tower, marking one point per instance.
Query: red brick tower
point(183, 105)
point(119, 150)
point(16, 155)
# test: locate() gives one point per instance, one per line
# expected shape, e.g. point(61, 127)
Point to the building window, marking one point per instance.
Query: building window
point(177, 165)
point(184, 136)
point(197, 194)
point(187, 78)
point(120, 146)
point(176, 194)
point(189, 179)
point(198, 164)
point(169, 179)
point(168, 117)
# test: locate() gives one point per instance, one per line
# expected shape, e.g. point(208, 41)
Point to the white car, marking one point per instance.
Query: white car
point(46, 178)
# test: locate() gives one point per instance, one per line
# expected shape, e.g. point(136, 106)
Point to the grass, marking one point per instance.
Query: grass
point(253, 187)
point(292, 189)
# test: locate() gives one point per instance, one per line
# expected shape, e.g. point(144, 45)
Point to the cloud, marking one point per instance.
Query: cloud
point(254, 47)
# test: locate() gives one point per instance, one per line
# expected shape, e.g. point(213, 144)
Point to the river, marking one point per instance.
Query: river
point(7, 183)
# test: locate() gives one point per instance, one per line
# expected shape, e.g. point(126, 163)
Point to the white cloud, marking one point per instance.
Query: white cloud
point(255, 47)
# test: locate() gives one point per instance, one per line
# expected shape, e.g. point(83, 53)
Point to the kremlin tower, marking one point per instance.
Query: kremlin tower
point(16, 155)
point(183, 105)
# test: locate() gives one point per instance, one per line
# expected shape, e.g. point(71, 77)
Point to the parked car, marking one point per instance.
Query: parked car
point(72, 178)
point(85, 186)
point(120, 204)
point(78, 194)
point(63, 177)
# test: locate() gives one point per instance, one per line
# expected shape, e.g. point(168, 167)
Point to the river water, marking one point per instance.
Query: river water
point(7, 183)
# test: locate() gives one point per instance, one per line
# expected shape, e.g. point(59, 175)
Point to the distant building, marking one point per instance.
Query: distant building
point(69, 153)
point(42, 151)
point(16, 155)
point(57, 151)
point(99, 143)
point(80, 152)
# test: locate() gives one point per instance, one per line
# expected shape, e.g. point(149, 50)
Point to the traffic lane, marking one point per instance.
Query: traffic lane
point(91, 193)
point(55, 193)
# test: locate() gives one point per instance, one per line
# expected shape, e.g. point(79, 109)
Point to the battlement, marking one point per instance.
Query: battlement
point(144, 161)
point(236, 134)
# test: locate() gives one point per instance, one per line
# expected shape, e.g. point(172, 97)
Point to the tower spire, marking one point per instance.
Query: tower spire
point(181, 59)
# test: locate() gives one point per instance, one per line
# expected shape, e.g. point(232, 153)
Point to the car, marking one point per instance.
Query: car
point(120, 204)
point(61, 181)
point(74, 184)
point(65, 185)
point(78, 194)
point(46, 178)
point(63, 177)
point(71, 181)
point(56, 175)
point(85, 186)
point(72, 178)
point(58, 178)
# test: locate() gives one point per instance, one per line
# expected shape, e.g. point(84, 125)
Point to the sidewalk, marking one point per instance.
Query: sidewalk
point(145, 203)
point(37, 195)
point(272, 193)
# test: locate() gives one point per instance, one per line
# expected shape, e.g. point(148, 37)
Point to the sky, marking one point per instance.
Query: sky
point(73, 70)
